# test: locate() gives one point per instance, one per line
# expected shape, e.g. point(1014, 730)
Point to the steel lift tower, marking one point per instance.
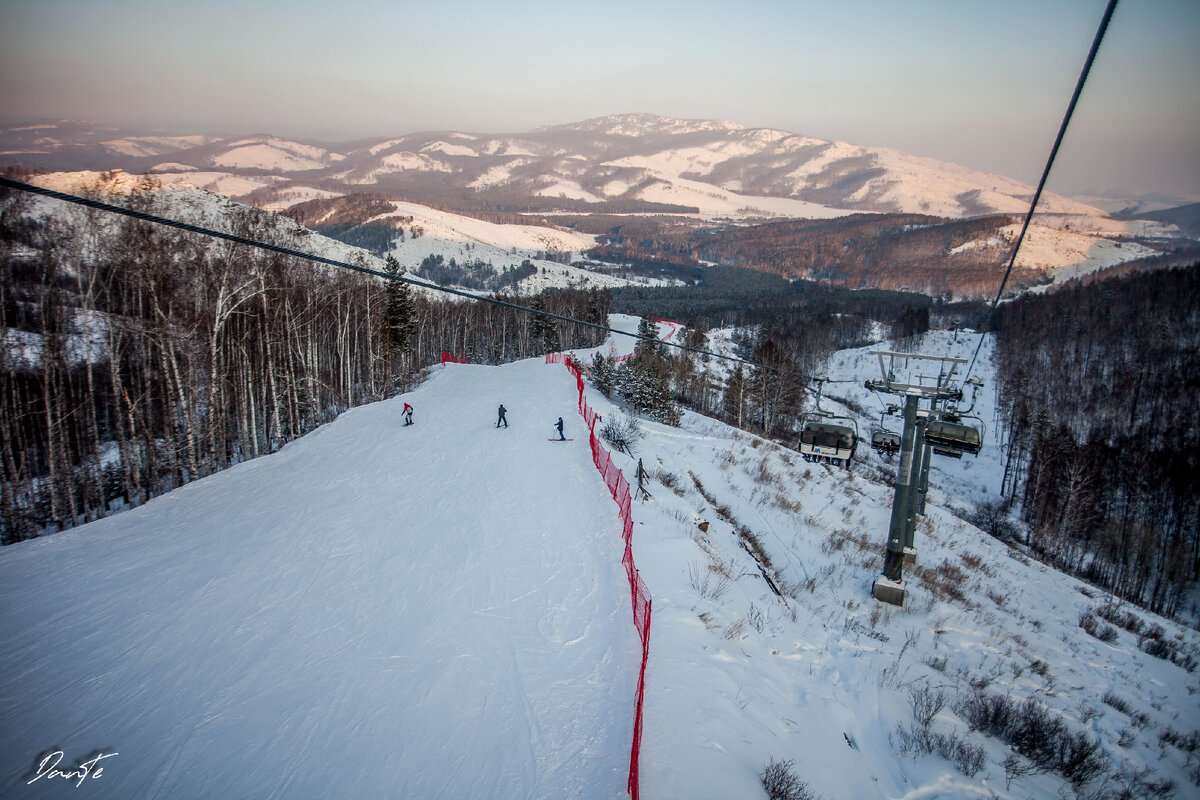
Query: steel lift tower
point(912, 475)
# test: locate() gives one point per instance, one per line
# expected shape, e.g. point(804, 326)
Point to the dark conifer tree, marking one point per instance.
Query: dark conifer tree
point(647, 337)
point(545, 329)
point(400, 320)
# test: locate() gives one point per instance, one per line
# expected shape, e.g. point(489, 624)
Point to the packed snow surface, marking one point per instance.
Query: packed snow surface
point(375, 611)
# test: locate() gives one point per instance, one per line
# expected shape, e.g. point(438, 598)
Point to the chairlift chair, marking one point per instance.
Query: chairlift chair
point(826, 441)
point(883, 441)
point(950, 437)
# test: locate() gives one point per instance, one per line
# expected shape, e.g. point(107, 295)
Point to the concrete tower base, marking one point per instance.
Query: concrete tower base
point(886, 591)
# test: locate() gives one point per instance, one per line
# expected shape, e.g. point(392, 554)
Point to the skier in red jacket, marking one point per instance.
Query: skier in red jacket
point(408, 414)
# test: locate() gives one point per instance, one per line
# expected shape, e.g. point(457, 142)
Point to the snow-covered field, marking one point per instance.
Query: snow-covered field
point(467, 239)
point(440, 611)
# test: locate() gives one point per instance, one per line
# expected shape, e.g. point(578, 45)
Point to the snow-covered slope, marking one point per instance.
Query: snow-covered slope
point(439, 611)
point(825, 676)
point(467, 239)
point(375, 611)
point(197, 197)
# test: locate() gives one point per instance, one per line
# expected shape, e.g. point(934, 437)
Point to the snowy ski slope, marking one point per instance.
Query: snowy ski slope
point(374, 611)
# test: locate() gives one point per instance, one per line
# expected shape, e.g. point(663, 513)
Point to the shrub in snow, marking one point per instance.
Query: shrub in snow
point(669, 480)
point(1105, 633)
point(623, 433)
point(782, 783)
point(926, 703)
point(993, 519)
point(917, 740)
point(1116, 701)
point(1037, 734)
point(707, 584)
point(1188, 743)
point(1111, 612)
point(1154, 642)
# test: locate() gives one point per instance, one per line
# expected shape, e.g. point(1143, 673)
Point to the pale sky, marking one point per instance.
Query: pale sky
point(983, 83)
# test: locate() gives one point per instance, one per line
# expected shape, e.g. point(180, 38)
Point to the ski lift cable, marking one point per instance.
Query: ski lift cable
point(186, 226)
point(1062, 130)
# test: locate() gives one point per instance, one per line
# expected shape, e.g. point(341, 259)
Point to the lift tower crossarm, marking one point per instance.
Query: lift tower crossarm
point(939, 387)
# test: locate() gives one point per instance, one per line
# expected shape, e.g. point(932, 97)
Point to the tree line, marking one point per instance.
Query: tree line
point(934, 256)
point(1098, 384)
point(136, 358)
point(473, 273)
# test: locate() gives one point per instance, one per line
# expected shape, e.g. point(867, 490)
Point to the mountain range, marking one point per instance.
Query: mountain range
point(628, 160)
point(702, 172)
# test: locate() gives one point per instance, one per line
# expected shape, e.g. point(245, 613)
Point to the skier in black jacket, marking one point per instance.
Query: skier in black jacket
point(502, 418)
point(559, 426)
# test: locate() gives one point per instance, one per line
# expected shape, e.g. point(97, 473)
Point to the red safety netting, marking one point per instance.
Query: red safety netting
point(674, 326)
point(614, 479)
point(452, 359)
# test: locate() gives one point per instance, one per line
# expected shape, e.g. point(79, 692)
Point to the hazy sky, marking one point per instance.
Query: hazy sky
point(983, 83)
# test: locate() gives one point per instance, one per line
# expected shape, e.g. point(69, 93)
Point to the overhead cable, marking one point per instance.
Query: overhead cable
point(1062, 130)
point(187, 226)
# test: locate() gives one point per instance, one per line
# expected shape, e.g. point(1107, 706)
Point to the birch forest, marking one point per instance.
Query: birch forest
point(136, 358)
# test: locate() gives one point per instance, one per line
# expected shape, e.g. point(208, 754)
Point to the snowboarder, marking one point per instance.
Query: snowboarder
point(559, 426)
point(408, 411)
point(502, 418)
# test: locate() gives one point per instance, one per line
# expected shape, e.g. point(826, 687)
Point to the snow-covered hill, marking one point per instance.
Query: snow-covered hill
point(200, 198)
point(440, 611)
point(466, 239)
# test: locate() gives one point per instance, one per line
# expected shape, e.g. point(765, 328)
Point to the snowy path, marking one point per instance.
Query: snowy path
point(375, 611)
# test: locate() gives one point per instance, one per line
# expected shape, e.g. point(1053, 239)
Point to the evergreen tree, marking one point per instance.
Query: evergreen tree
point(399, 319)
point(599, 306)
point(603, 374)
point(643, 382)
point(545, 329)
point(647, 337)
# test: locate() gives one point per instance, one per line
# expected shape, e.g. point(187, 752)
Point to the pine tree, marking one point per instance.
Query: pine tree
point(603, 374)
point(647, 337)
point(399, 319)
point(545, 329)
point(643, 382)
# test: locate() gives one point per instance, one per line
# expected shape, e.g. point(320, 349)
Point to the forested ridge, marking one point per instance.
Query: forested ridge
point(136, 358)
point(909, 252)
point(1098, 385)
point(726, 295)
